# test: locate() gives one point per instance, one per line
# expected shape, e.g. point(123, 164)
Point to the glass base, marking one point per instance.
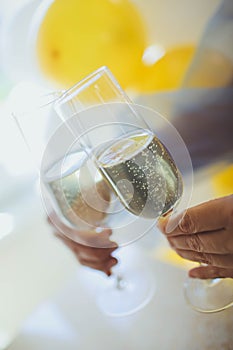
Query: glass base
point(209, 296)
point(127, 294)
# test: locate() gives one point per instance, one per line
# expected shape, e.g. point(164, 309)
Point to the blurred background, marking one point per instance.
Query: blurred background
point(147, 44)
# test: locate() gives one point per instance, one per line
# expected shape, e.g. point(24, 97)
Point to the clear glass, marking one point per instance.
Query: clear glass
point(72, 186)
point(209, 296)
point(135, 164)
point(35, 117)
point(132, 159)
point(88, 207)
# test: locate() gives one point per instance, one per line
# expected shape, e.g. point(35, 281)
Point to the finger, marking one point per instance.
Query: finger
point(216, 242)
point(89, 237)
point(101, 266)
point(91, 253)
point(68, 242)
point(54, 220)
point(94, 254)
point(208, 216)
point(89, 250)
point(94, 239)
point(207, 272)
point(79, 233)
point(210, 259)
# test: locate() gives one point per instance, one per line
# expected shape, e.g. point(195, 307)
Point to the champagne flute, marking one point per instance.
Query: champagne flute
point(84, 201)
point(131, 158)
point(75, 189)
point(209, 296)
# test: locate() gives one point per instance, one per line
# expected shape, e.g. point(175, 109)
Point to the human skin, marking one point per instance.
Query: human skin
point(95, 251)
point(205, 234)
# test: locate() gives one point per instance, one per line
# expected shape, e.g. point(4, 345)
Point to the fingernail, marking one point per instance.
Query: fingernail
point(110, 264)
point(193, 274)
point(167, 213)
point(173, 222)
point(113, 262)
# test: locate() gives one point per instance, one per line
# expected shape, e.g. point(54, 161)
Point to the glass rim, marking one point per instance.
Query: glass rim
point(86, 81)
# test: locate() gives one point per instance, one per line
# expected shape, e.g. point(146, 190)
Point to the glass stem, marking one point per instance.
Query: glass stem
point(119, 282)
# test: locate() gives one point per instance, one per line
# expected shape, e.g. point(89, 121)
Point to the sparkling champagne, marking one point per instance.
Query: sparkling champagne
point(142, 173)
point(79, 191)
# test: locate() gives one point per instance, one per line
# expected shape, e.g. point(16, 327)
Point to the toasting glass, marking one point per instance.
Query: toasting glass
point(134, 162)
point(73, 187)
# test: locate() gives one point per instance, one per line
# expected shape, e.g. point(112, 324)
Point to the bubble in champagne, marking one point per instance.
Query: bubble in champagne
point(143, 174)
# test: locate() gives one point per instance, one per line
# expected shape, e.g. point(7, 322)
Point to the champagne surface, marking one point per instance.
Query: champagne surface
point(143, 174)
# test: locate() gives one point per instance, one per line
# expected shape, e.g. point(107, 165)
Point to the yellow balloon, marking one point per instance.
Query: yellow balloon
point(166, 73)
point(223, 182)
point(78, 36)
